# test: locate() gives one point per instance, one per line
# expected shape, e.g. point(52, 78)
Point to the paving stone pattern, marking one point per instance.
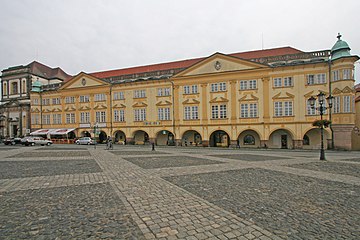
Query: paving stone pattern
point(166, 161)
point(52, 154)
point(248, 157)
point(22, 169)
point(77, 192)
point(331, 167)
point(291, 206)
point(78, 212)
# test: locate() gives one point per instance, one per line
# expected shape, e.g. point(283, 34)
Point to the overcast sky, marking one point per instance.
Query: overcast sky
point(95, 35)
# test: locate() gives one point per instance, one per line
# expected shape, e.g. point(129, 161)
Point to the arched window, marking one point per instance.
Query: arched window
point(14, 88)
point(306, 140)
point(4, 89)
point(23, 86)
point(249, 140)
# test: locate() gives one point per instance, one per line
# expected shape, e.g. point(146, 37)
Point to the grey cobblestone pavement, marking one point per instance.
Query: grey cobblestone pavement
point(78, 192)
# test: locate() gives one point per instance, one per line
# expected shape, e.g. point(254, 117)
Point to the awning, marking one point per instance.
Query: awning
point(61, 131)
point(56, 131)
point(41, 132)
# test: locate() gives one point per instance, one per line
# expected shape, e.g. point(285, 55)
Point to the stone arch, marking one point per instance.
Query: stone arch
point(219, 138)
point(311, 139)
point(102, 137)
point(165, 138)
point(141, 137)
point(281, 138)
point(191, 138)
point(249, 138)
point(120, 137)
point(85, 134)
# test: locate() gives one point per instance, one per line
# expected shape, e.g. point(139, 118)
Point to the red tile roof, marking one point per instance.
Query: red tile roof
point(187, 63)
point(48, 72)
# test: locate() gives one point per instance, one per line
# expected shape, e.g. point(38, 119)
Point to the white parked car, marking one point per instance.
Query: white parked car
point(85, 140)
point(38, 141)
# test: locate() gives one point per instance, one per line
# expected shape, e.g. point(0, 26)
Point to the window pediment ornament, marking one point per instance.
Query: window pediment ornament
point(218, 100)
point(119, 105)
point(84, 108)
point(347, 90)
point(248, 97)
point(282, 95)
point(191, 101)
point(98, 107)
point(163, 103)
point(139, 104)
point(336, 91)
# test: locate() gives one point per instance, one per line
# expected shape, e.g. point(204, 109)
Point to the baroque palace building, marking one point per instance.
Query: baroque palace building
point(248, 99)
point(16, 84)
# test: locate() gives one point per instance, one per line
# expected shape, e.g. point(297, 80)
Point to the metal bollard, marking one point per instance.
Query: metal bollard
point(153, 146)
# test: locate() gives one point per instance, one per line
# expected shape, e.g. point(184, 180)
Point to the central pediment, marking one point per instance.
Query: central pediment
point(83, 80)
point(219, 63)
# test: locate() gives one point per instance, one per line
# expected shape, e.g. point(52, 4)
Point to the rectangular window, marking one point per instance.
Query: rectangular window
point(277, 82)
point(164, 114)
point(14, 88)
point(321, 78)
point(140, 114)
point(336, 104)
point(309, 109)
point(336, 75)
point(119, 115)
point(70, 99)
point(163, 91)
point(187, 113)
point(36, 101)
point(70, 118)
point(278, 109)
point(223, 111)
point(347, 74)
point(186, 89)
point(84, 117)
point(118, 96)
point(244, 113)
point(35, 119)
point(288, 108)
point(194, 88)
point(46, 101)
point(310, 79)
point(84, 98)
point(57, 118)
point(214, 111)
point(252, 84)
point(100, 97)
point(347, 104)
point(56, 101)
point(194, 112)
point(253, 110)
point(139, 94)
point(100, 116)
point(288, 81)
point(167, 92)
point(46, 119)
point(243, 85)
point(222, 87)
point(214, 87)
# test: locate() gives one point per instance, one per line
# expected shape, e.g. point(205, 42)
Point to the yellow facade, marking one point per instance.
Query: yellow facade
point(220, 101)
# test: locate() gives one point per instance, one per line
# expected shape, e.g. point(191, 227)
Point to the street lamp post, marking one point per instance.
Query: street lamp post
point(96, 127)
point(322, 108)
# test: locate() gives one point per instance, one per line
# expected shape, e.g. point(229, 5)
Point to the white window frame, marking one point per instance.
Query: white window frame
point(56, 118)
point(140, 93)
point(70, 99)
point(84, 117)
point(222, 87)
point(84, 98)
point(194, 89)
point(214, 87)
point(118, 96)
point(139, 114)
point(99, 97)
point(336, 104)
point(347, 104)
point(100, 116)
point(277, 82)
point(253, 84)
point(288, 81)
point(214, 111)
point(119, 115)
point(243, 84)
point(70, 118)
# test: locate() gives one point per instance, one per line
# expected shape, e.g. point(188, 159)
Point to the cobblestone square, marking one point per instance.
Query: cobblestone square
point(77, 212)
point(137, 152)
point(151, 162)
point(51, 153)
point(293, 207)
point(131, 192)
point(22, 169)
point(331, 167)
point(248, 157)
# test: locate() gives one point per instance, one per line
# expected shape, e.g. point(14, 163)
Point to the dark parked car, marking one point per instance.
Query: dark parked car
point(12, 141)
